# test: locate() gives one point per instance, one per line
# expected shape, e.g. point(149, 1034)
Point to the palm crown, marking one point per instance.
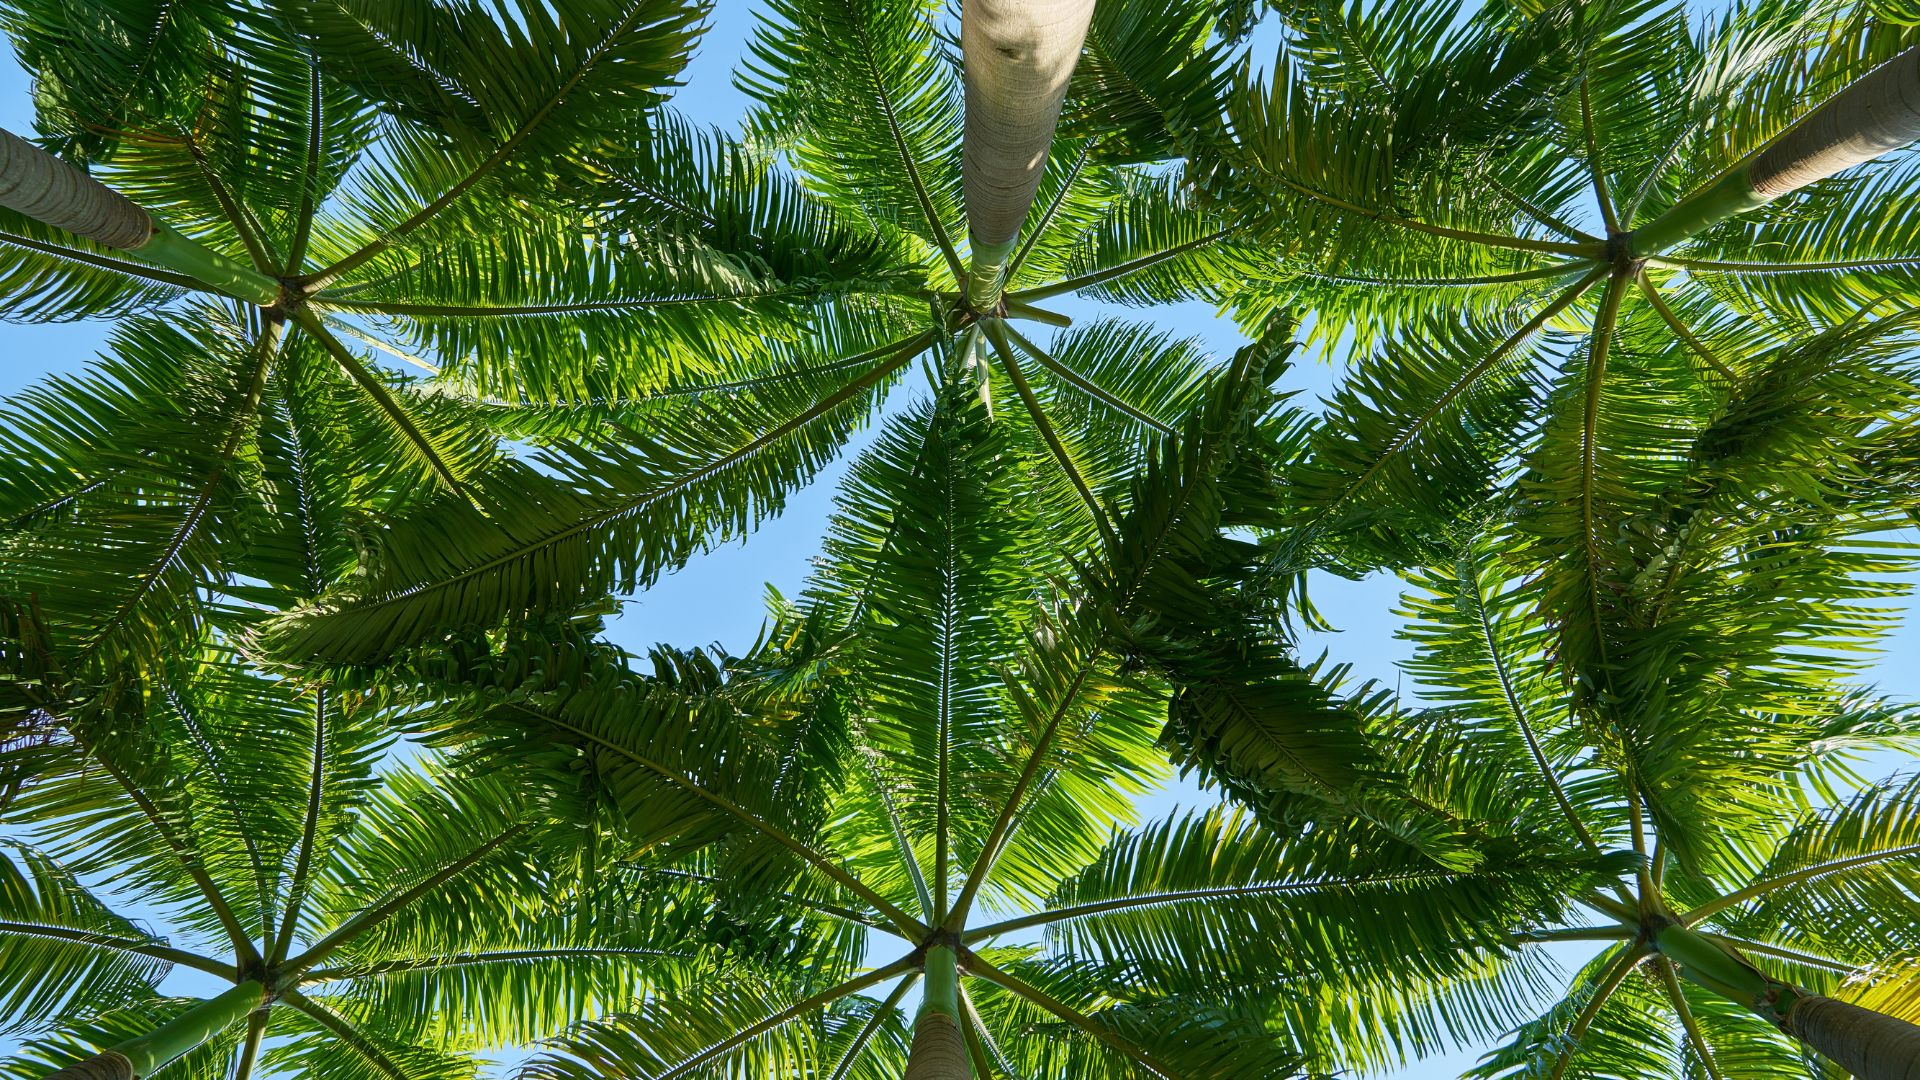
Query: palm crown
point(294, 858)
point(935, 745)
point(1545, 230)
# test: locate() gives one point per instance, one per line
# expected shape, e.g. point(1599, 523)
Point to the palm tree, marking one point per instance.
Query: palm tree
point(370, 918)
point(1753, 918)
point(1534, 220)
point(865, 103)
point(1688, 700)
point(296, 182)
point(929, 758)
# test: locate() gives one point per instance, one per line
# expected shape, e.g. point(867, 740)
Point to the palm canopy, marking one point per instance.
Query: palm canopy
point(1729, 772)
point(929, 759)
point(866, 105)
point(1505, 211)
point(1688, 694)
point(370, 916)
point(434, 211)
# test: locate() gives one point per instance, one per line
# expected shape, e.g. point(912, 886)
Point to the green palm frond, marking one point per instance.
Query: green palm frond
point(1145, 83)
point(868, 101)
point(64, 953)
point(553, 540)
point(156, 438)
point(538, 95)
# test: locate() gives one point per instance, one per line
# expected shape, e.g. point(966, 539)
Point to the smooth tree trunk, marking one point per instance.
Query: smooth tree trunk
point(939, 1044)
point(1875, 115)
point(1870, 1045)
point(52, 192)
point(1019, 56)
point(140, 1057)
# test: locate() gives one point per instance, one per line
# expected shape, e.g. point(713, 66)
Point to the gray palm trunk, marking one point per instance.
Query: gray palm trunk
point(1870, 1045)
point(1875, 115)
point(1019, 57)
point(145, 1055)
point(52, 192)
point(939, 1050)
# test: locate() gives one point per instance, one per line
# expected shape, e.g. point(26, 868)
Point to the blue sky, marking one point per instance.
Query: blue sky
point(719, 597)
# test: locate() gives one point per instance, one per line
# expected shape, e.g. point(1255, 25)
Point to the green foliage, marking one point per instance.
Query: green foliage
point(306, 656)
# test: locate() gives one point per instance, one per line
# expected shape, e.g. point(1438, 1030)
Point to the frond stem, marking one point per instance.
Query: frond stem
point(310, 175)
point(1602, 338)
point(1088, 386)
point(1679, 328)
point(1053, 207)
point(1687, 1021)
point(128, 267)
point(1615, 932)
point(236, 214)
point(911, 928)
point(799, 1008)
point(996, 837)
point(813, 412)
point(996, 333)
point(343, 1029)
point(1781, 952)
point(1180, 896)
point(1542, 215)
point(1610, 981)
point(1113, 273)
point(1540, 762)
point(979, 1025)
point(511, 311)
point(1073, 1016)
point(309, 830)
point(1557, 270)
point(900, 147)
point(1766, 268)
point(383, 400)
point(834, 910)
point(1600, 193)
point(452, 960)
point(900, 845)
point(360, 922)
point(250, 1048)
point(263, 352)
point(492, 161)
point(1591, 250)
point(1818, 870)
point(872, 1025)
point(1460, 386)
point(136, 946)
point(189, 859)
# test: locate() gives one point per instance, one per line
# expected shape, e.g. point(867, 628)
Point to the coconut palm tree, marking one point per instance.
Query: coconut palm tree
point(367, 916)
point(1693, 701)
point(868, 106)
point(928, 763)
point(1482, 203)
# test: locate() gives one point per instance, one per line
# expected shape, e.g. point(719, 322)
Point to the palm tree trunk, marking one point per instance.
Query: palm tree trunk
point(939, 1046)
point(48, 190)
point(1020, 55)
point(1870, 1045)
point(1877, 114)
point(140, 1057)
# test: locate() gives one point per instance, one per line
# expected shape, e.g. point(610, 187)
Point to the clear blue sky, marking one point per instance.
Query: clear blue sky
point(719, 597)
